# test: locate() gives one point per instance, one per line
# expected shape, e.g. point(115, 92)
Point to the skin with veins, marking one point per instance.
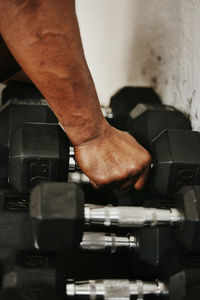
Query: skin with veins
point(44, 38)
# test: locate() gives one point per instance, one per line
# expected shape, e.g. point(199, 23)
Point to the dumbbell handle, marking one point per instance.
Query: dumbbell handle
point(108, 241)
point(115, 289)
point(75, 174)
point(73, 166)
point(125, 216)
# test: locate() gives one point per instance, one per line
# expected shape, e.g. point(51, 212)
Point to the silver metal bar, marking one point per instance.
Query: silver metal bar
point(108, 241)
point(73, 166)
point(115, 289)
point(107, 112)
point(128, 216)
point(78, 177)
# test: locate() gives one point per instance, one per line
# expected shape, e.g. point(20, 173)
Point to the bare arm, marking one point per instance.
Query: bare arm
point(44, 38)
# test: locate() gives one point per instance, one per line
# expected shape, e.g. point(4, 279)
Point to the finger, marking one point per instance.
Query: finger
point(94, 185)
point(128, 184)
point(142, 180)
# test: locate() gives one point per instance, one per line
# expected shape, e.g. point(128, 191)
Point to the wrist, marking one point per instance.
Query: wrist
point(87, 132)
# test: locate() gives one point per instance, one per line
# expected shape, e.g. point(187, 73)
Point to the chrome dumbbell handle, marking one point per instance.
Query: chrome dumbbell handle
point(126, 216)
point(107, 112)
point(73, 166)
point(108, 242)
point(115, 289)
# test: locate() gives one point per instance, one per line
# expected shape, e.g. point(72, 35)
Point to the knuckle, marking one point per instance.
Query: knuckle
point(146, 159)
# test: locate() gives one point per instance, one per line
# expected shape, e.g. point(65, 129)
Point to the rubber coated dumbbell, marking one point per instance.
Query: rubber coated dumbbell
point(39, 152)
point(20, 90)
point(60, 222)
point(33, 293)
point(176, 161)
point(150, 245)
point(55, 278)
point(29, 277)
point(126, 98)
point(18, 111)
point(33, 158)
point(17, 276)
point(146, 121)
point(15, 231)
point(46, 279)
point(178, 287)
point(147, 244)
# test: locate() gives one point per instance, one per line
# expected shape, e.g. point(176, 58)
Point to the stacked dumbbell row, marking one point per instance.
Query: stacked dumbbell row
point(59, 220)
point(145, 122)
point(43, 283)
point(175, 158)
point(31, 169)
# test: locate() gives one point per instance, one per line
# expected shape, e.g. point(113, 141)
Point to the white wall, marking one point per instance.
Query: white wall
point(144, 43)
point(147, 43)
point(107, 28)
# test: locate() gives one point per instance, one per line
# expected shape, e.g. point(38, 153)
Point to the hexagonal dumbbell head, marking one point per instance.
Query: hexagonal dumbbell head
point(17, 111)
point(33, 293)
point(188, 231)
point(38, 152)
point(57, 215)
point(125, 99)
point(148, 120)
point(20, 277)
point(176, 161)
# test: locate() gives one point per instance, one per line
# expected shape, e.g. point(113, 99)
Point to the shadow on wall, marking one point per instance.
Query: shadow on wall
point(165, 52)
point(153, 48)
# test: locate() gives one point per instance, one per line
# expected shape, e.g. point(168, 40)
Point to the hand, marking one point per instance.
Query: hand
point(114, 159)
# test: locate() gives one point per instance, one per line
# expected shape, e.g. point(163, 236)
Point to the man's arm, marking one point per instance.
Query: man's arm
point(44, 38)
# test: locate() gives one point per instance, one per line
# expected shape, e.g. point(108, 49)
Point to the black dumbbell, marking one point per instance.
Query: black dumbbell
point(20, 278)
point(17, 111)
point(175, 161)
point(33, 293)
point(61, 225)
point(146, 121)
point(20, 90)
point(24, 283)
point(58, 216)
point(73, 265)
point(126, 98)
point(140, 112)
point(177, 287)
point(16, 235)
point(42, 280)
point(15, 232)
point(40, 152)
point(21, 102)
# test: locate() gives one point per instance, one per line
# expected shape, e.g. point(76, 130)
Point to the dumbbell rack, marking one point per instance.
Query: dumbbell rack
point(107, 274)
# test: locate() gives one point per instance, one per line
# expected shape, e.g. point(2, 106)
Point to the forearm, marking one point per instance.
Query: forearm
point(44, 38)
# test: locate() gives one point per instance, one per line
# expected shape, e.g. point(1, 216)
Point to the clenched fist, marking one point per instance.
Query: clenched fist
point(114, 159)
